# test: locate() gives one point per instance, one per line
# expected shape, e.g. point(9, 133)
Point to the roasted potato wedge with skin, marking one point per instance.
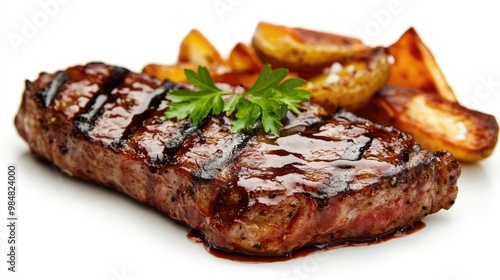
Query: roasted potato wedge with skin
point(244, 59)
point(300, 49)
point(434, 122)
point(415, 67)
point(353, 83)
point(196, 49)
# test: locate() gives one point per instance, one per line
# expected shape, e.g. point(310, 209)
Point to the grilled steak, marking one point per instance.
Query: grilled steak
point(327, 178)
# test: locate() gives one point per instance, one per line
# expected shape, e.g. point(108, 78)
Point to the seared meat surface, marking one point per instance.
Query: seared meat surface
point(327, 178)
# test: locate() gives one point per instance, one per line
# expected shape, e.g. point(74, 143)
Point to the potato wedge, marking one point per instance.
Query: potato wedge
point(244, 79)
point(174, 73)
point(244, 59)
point(352, 83)
point(435, 122)
point(415, 67)
point(300, 49)
point(196, 49)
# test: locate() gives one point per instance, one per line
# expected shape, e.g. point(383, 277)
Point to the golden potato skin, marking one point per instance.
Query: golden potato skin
point(244, 59)
point(415, 66)
point(434, 122)
point(353, 88)
point(196, 49)
point(302, 50)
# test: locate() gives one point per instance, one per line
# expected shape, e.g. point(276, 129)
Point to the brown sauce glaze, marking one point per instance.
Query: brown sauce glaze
point(223, 157)
point(197, 237)
point(153, 101)
point(323, 159)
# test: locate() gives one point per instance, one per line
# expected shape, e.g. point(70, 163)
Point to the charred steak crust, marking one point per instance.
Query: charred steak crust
point(326, 179)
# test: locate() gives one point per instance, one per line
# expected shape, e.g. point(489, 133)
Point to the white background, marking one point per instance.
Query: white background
point(68, 229)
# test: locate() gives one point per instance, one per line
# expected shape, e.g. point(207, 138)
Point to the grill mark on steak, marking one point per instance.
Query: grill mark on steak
point(340, 180)
point(50, 92)
point(178, 137)
point(85, 121)
point(152, 100)
point(224, 156)
point(357, 149)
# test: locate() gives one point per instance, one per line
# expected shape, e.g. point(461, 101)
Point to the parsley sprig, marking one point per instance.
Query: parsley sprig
point(268, 100)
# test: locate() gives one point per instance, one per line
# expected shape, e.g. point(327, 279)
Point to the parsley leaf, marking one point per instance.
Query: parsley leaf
point(269, 99)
